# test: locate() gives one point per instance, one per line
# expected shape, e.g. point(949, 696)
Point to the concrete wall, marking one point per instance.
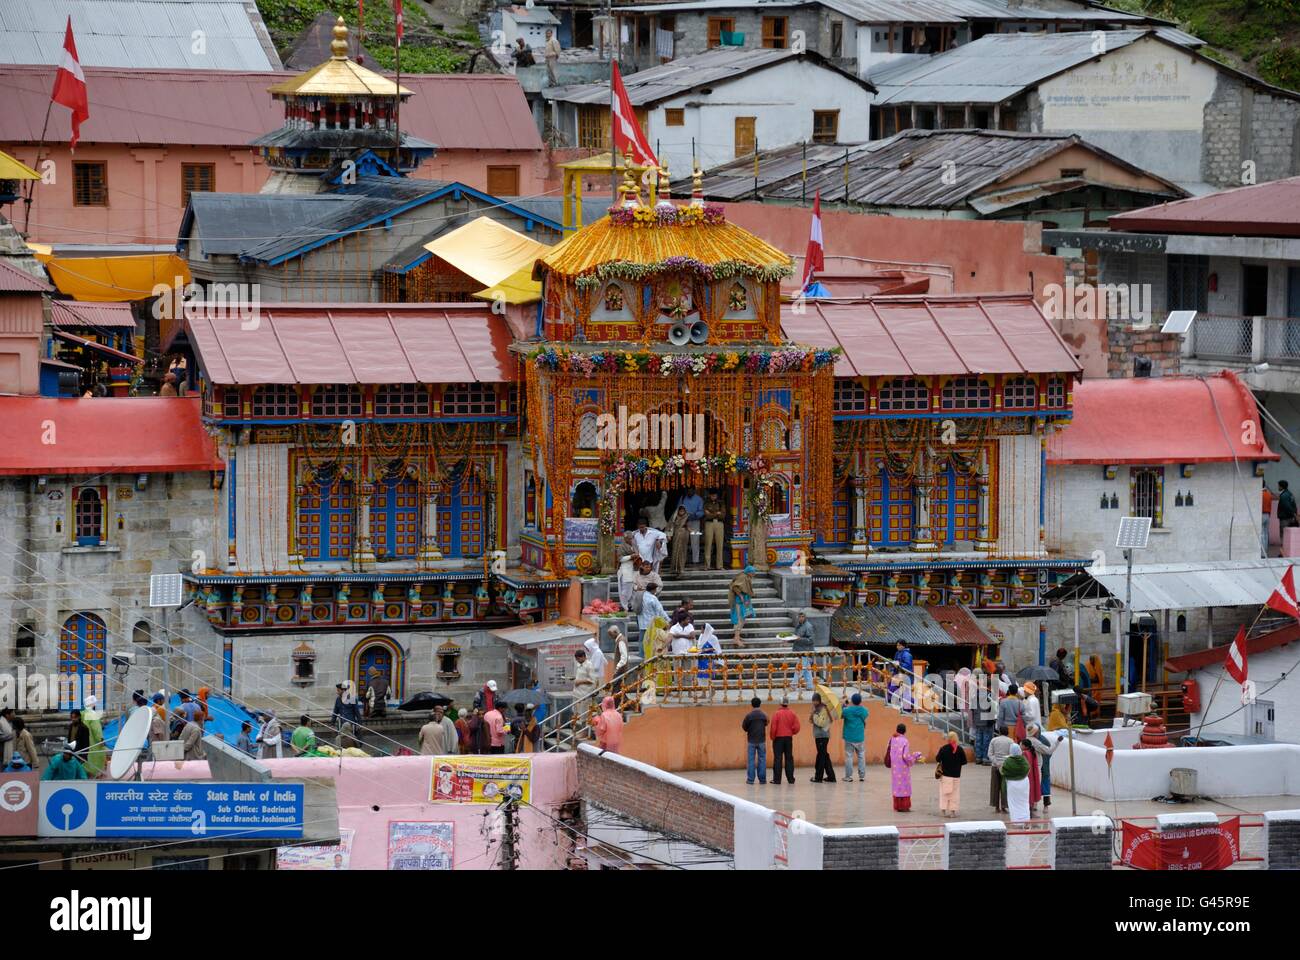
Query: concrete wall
point(1273, 673)
point(1221, 524)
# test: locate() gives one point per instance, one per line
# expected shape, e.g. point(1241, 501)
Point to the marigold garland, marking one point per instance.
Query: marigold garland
point(780, 360)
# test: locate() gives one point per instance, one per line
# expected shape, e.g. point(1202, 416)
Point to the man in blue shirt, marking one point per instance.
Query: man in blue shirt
point(855, 735)
point(651, 607)
point(904, 658)
point(694, 505)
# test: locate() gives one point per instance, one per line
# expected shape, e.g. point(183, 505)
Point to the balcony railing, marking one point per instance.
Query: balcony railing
point(1244, 339)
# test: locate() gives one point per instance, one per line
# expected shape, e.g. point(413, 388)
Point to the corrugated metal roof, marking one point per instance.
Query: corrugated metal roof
point(908, 11)
point(71, 313)
point(932, 335)
point(994, 68)
point(228, 223)
point(356, 343)
point(223, 108)
point(16, 280)
point(906, 170)
point(685, 74)
point(1182, 586)
point(1262, 210)
point(139, 33)
point(917, 626)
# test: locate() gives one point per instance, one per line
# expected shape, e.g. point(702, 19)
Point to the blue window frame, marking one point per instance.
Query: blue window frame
point(326, 512)
point(395, 518)
point(957, 510)
point(892, 510)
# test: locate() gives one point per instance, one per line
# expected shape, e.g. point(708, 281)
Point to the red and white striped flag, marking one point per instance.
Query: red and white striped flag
point(627, 133)
point(397, 14)
point(1283, 599)
point(814, 259)
point(70, 86)
point(1235, 663)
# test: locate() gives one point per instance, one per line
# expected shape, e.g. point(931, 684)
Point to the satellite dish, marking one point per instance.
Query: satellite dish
point(130, 741)
point(679, 335)
point(699, 332)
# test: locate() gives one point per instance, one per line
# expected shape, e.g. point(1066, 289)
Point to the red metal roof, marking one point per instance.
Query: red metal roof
point(16, 280)
point(230, 108)
point(1208, 658)
point(73, 313)
point(932, 335)
point(357, 343)
point(1262, 210)
point(1160, 420)
point(104, 435)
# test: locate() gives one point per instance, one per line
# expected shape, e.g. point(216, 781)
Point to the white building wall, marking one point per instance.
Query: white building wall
point(1274, 674)
point(1221, 524)
point(1019, 475)
point(781, 98)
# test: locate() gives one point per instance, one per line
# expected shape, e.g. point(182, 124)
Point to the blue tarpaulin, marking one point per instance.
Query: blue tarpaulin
point(815, 291)
point(225, 717)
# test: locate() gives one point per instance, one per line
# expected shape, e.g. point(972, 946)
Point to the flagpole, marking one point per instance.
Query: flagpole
point(613, 148)
point(1206, 713)
point(31, 184)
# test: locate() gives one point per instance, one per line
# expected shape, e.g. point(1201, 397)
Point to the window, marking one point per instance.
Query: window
point(26, 639)
point(1019, 393)
point(90, 184)
point(746, 137)
point(197, 178)
point(1056, 393)
point(957, 509)
point(717, 27)
point(589, 432)
point(275, 400)
point(503, 181)
point(325, 517)
point(1105, 624)
point(776, 32)
point(336, 400)
point(89, 515)
point(395, 519)
point(1180, 625)
point(837, 38)
point(593, 127)
point(402, 400)
point(1146, 493)
point(674, 117)
point(826, 126)
point(1186, 282)
point(469, 400)
point(230, 407)
point(141, 632)
point(773, 435)
point(891, 509)
point(585, 499)
point(966, 393)
point(850, 397)
point(903, 393)
point(1071, 173)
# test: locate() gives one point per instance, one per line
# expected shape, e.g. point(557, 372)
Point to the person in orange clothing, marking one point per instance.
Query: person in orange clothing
point(783, 727)
point(609, 727)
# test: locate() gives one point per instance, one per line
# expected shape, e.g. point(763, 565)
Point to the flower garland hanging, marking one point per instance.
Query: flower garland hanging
point(723, 270)
point(764, 360)
point(643, 216)
point(625, 469)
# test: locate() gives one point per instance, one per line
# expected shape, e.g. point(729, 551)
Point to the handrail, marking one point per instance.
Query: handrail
point(690, 678)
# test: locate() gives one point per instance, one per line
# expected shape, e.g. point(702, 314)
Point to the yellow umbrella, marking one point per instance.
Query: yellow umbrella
point(832, 702)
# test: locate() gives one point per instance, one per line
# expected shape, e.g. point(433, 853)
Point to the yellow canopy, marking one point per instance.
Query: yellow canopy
point(519, 287)
point(113, 279)
point(600, 163)
point(11, 169)
point(487, 250)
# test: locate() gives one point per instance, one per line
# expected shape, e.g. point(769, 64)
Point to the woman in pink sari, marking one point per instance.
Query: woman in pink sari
point(901, 758)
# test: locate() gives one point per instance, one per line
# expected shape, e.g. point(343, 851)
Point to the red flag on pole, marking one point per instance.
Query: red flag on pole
point(70, 86)
point(1283, 599)
point(1110, 749)
point(814, 259)
point(397, 14)
point(1235, 663)
point(627, 133)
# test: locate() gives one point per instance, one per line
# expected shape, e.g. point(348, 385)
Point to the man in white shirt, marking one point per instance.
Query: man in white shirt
point(620, 649)
point(651, 607)
point(683, 634)
point(649, 544)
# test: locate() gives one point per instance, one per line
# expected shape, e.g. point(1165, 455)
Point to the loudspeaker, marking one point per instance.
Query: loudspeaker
point(679, 335)
point(699, 332)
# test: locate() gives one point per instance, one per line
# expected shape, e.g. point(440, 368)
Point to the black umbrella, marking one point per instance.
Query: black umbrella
point(1037, 673)
point(519, 695)
point(426, 700)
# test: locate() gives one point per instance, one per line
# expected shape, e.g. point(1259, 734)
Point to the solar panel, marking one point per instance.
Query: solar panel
point(165, 590)
point(1178, 321)
point(1133, 533)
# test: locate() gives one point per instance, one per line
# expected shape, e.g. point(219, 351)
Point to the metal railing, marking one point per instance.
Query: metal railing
point(1246, 339)
point(736, 676)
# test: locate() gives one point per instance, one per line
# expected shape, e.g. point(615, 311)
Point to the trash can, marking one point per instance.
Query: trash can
point(1182, 782)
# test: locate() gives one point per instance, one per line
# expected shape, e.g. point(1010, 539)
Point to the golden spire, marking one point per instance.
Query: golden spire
point(663, 190)
point(339, 45)
point(697, 186)
point(631, 187)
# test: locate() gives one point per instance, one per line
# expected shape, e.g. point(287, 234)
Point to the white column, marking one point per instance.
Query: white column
point(923, 540)
point(365, 556)
point(983, 540)
point(429, 534)
point(861, 540)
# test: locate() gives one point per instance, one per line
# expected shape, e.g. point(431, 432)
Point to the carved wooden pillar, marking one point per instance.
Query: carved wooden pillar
point(365, 555)
point(923, 539)
point(984, 540)
point(429, 551)
point(861, 487)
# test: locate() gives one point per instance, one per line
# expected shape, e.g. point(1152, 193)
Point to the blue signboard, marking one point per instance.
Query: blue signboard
point(170, 809)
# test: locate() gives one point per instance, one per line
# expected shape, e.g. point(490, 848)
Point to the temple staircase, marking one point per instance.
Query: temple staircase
point(708, 588)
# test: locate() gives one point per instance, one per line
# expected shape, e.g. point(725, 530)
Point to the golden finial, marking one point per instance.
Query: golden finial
point(663, 191)
point(339, 45)
point(631, 188)
point(697, 186)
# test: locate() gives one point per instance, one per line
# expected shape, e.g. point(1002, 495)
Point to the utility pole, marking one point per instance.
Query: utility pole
point(510, 833)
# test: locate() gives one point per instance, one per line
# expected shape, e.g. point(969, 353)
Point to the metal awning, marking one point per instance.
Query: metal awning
point(923, 626)
point(91, 344)
point(1179, 586)
point(536, 634)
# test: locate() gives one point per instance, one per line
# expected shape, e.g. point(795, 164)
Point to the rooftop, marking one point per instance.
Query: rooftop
point(139, 33)
point(339, 75)
point(104, 435)
point(680, 76)
point(911, 11)
point(355, 343)
point(1261, 210)
point(932, 335)
point(906, 169)
point(15, 280)
point(456, 111)
point(1182, 420)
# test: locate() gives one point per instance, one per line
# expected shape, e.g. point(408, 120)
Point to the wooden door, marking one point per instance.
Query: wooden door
point(745, 136)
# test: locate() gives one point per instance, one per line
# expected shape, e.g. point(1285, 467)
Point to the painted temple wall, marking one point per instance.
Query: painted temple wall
point(1019, 474)
point(262, 496)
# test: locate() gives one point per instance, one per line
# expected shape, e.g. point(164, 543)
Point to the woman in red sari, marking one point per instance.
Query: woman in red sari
point(1035, 776)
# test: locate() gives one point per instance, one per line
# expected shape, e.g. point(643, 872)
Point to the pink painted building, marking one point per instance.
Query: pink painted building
point(156, 135)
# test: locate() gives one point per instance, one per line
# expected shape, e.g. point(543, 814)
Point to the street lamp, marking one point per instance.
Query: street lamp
point(1134, 533)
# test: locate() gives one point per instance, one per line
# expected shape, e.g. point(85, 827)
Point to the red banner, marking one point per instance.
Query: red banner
point(1193, 848)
